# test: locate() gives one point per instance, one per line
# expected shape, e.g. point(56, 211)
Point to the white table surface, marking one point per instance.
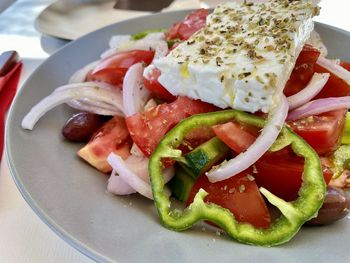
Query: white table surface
point(23, 236)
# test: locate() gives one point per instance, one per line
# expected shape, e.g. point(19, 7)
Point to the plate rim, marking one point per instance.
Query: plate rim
point(56, 228)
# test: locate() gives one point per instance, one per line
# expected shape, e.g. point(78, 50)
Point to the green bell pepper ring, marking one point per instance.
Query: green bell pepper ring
point(293, 214)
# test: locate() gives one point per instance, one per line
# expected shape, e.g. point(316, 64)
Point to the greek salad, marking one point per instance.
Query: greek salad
point(233, 113)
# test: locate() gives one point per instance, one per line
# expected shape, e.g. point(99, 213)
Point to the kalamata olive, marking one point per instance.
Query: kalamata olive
point(335, 207)
point(81, 126)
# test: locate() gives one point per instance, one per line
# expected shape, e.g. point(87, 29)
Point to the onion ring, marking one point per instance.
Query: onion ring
point(116, 185)
point(334, 68)
point(63, 94)
point(135, 95)
point(315, 85)
point(80, 75)
point(138, 166)
point(319, 106)
point(128, 176)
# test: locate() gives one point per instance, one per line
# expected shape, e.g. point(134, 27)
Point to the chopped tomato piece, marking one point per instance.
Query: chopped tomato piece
point(335, 87)
point(195, 138)
point(113, 136)
point(157, 90)
point(345, 65)
point(322, 132)
point(191, 24)
point(239, 194)
point(303, 70)
point(113, 69)
point(234, 135)
point(281, 173)
point(148, 128)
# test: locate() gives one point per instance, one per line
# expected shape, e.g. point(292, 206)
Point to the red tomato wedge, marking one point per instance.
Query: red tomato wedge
point(195, 138)
point(234, 135)
point(239, 194)
point(303, 70)
point(191, 24)
point(148, 128)
point(113, 136)
point(335, 87)
point(113, 69)
point(281, 174)
point(345, 65)
point(156, 89)
point(322, 132)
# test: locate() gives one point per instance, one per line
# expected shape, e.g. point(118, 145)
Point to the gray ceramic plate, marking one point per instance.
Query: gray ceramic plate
point(71, 198)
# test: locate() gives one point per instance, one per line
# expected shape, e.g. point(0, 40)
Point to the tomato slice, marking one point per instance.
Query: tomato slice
point(113, 69)
point(239, 194)
point(281, 173)
point(345, 65)
point(335, 87)
point(191, 24)
point(234, 135)
point(113, 136)
point(303, 70)
point(322, 132)
point(157, 90)
point(148, 128)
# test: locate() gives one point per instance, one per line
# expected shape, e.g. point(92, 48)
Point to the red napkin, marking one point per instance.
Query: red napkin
point(8, 87)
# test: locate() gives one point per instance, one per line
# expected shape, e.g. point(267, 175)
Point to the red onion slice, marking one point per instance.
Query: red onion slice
point(116, 185)
point(80, 75)
point(133, 166)
point(315, 85)
point(63, 94)
point(336, 69)
point(129, 176)
point(139, 165)
point(319, 106)
point(96, 107)
point(135, 95)
point(265, 140)
point(316, 41)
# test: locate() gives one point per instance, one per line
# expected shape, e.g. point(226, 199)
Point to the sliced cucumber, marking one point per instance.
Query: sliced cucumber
point(201, 159)
point(181, 184)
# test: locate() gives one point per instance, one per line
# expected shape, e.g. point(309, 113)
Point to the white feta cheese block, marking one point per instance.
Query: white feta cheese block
point(243, 57)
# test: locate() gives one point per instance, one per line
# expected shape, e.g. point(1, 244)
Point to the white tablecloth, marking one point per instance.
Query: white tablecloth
point(23, 236)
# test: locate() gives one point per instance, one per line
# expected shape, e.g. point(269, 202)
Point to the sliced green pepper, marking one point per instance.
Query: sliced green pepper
point(293, 214)
point(345, 139)
point(341, 160)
